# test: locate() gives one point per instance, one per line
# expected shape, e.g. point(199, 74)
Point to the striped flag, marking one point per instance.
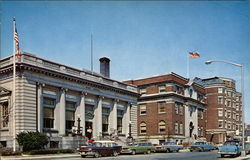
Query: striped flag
point(16, 41)
point(194, 54)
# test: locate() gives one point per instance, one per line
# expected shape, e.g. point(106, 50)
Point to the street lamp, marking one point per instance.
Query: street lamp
point(130, 134)
point(242, 98)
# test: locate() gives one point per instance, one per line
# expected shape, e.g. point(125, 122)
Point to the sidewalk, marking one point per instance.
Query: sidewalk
point(37, 157)
point(242, 158)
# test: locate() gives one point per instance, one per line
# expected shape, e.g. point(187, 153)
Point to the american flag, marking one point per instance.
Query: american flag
point(16, 41)
point(194, 54)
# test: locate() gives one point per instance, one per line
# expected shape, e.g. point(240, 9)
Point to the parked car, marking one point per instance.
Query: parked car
point(100, 148)
point(217, 145)
point(231, 147)
point(247, 147)
point(201, 146)
point(139, 147)
point(168, 147)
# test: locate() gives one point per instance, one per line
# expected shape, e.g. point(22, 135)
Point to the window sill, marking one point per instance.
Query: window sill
point(48, 130)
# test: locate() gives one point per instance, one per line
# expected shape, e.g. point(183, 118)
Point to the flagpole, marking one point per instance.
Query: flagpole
point(91, 52)
point(14, 86)
point(187, 66)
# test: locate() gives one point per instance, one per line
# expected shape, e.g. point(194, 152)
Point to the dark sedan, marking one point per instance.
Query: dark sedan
point(100, 148)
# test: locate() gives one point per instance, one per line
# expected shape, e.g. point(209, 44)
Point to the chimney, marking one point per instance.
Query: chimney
point(104, 66)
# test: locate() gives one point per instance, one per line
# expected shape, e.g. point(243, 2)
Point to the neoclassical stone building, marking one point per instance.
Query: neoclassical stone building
point(52, 98)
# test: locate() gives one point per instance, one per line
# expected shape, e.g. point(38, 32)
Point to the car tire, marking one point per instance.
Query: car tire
point(149, 151)
point(191, 150)
point(115, 154)
point(83, 156)
point(201, 150)
point(177, 150)
point(222, 155)
point(133, 152)
point(96, 155)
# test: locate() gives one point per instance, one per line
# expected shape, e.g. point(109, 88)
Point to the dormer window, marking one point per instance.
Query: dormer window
point(162, 88)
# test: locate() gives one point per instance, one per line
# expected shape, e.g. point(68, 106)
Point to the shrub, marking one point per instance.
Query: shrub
point(9, 152)
point(32, 140)
point(51, 151)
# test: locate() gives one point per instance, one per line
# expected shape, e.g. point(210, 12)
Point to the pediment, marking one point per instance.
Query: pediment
point(4, 91)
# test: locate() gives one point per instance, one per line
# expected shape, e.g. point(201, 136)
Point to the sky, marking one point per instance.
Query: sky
point(142, 38)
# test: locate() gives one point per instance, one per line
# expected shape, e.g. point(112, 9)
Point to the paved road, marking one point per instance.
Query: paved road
point(162, 156)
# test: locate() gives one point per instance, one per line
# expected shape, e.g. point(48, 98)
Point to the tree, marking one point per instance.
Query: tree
point(32, 140)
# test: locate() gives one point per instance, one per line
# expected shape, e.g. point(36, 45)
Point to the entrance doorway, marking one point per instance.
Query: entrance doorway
point(88, 129)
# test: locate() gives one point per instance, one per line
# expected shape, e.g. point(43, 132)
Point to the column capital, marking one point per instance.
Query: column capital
point(84, 93)
point(40, 84)
point(63, 89)
point(116, 100)
point(100, 97)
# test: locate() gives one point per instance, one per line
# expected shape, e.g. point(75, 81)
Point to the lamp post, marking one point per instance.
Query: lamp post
point(129, 133)
point(242, 98)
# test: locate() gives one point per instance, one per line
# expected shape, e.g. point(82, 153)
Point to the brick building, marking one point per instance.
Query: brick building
point(52, 97)
point(224, 109)
point(170, 108)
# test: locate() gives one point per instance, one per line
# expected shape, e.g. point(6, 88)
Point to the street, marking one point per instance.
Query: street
point(163, 156)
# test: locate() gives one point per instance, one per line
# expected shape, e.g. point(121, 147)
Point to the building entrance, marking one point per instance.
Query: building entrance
point(89, 129)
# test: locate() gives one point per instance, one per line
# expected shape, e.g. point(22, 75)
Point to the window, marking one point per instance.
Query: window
point(143, 110)
point(161, 107)
point(162, 88)
point(70, 114)
point(181, 109)
point(200, 114)
point(229, 94)
point(225, 124)
point(190, 92)
point(48, 112)
point(176, 106)
point(105, 119)
point(162, 127)
point(237, 107)
point(220, 112)
point(220, 124)
point(202, 131)
point(181, 128)
point(143, 128)
point(70, 119)
point(220, 90)
point(119, 120)
point(234, 115)
point(229, 126)
point(225, 111)
point(220, 100)
point(228, 114)
point(237, 117)
point(143, 91)
point(179, 90)
point(176, 126)
point(4, 114)
point(228, 103)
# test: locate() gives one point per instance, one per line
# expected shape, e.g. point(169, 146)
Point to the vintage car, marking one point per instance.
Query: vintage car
point(139, 147)
point(201, 146)
point(168, 147)
point(100, 148)
point(247, 147)
point(230, 147)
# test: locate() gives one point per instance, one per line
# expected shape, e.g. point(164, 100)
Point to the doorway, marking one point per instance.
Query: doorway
point(88, 129)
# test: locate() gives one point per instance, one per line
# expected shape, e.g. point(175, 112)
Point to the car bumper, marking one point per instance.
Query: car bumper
point(126, 151)
point(229, 153)
point(87, 153)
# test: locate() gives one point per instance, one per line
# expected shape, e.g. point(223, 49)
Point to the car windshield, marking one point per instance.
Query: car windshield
point(229, 143)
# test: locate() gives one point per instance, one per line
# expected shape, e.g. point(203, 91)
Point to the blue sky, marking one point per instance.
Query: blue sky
point(142, 39)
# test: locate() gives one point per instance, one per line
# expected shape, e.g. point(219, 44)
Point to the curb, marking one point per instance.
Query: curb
point(39, 157)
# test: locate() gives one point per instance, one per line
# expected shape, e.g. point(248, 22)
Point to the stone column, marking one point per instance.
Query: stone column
point(82, 113)
point(39, 108)
point(113, 118)
point(126, 120)
point(97, 121)
point(62, 125)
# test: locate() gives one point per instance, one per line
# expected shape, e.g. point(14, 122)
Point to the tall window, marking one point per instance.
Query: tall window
point(176, 128)
point(4, 114)
point(48, 112)
point(176, 108)
point(143, 128)
point(220, 112)
point(228, 114)
point(105, 119)
point(162, 127)
point(225, 111)
point(70, 114)
point(143, 110)
point(200, 114)
point(181, 128)
point(181, 109)
point(202, 131)
point(220, 100)
point(119, 121)
point(220, 124)
point(161, 107)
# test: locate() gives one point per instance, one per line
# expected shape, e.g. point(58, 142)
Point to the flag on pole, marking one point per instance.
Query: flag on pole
point(194, 54)
point(16, 39)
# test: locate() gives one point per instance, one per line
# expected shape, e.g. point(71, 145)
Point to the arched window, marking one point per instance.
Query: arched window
point(162, 126)
point(143, 128)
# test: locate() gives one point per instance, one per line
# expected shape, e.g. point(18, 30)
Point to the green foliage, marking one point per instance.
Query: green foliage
point(51, 151)
point(9, 152)
point(32, 140)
